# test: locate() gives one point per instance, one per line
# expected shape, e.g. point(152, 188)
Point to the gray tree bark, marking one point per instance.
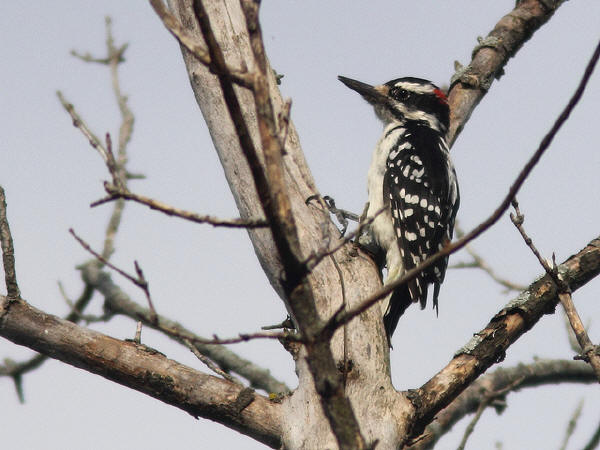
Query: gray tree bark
point(368, 384)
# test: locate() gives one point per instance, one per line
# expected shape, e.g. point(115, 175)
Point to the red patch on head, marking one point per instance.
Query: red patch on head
point(441, 96)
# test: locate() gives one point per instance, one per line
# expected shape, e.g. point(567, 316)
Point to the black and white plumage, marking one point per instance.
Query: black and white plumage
point(413, 191)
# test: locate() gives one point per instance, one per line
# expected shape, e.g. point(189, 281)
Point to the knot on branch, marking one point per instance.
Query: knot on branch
point(492, 42)
point(467, 77)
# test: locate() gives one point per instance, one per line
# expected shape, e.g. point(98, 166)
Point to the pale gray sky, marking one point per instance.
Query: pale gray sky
point(208, 278)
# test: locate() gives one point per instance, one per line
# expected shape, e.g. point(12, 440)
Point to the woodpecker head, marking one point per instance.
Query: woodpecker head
point(404, 99)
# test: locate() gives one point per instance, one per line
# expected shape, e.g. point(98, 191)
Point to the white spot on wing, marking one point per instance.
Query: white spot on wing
point(410, 236)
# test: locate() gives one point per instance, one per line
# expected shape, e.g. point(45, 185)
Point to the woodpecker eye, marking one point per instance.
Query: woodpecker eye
point(400, 94)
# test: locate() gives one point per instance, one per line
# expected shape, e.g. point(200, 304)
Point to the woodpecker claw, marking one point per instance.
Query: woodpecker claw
point(341, 215)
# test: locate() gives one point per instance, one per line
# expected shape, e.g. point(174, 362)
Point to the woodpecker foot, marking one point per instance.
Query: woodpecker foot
point(341, 215)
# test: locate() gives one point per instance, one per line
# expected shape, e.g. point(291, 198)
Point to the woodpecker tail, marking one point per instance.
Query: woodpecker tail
point(399, 301)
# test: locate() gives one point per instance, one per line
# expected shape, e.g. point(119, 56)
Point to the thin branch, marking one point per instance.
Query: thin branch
point(594, 440)
point(211, 365)
point(17, 370)
point(115, 57)
point(139, 283)
point(479, 262)
point(314, 259)
point(118, 189)
point(471, 426)
point(8, 254)
point(489, 398)
point(572, 425)
point(343, 317)
point(82, 126)
point(589, 350)
point(117, 193)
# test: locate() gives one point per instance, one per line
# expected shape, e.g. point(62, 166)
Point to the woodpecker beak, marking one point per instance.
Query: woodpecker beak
point(373, 94)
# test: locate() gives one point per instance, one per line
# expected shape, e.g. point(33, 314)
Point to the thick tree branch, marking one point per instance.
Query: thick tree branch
point(271, 189)
point(472, 82)
point(144, 370)
point(539, 373)
point(490, 344)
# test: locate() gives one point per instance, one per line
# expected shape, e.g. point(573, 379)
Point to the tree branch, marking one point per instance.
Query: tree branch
point(472, 82)
point(539, 373)
point(144, 370)
point(588, 350)
point(490, 344)
point(115, 192)
point(8, 254)
point(116, 301)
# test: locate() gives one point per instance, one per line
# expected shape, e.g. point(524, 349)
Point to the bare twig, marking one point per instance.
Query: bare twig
point(588, 350)
point(479, 262)
point(116, 193)
point(140, 281)
point(143, 283)
point(137, 338)
point(287, 323)
point(211, 365)
point(118, 189)
point(245, 337)
point(314, 259)
point(82, 126)
point(571, 334)
point(115, 57)
point(8, 253)
point(98, 256)
point(488, 399)
point(343, 317)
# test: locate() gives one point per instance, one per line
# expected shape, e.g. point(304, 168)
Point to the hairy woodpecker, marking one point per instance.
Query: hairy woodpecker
point(413, 191)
